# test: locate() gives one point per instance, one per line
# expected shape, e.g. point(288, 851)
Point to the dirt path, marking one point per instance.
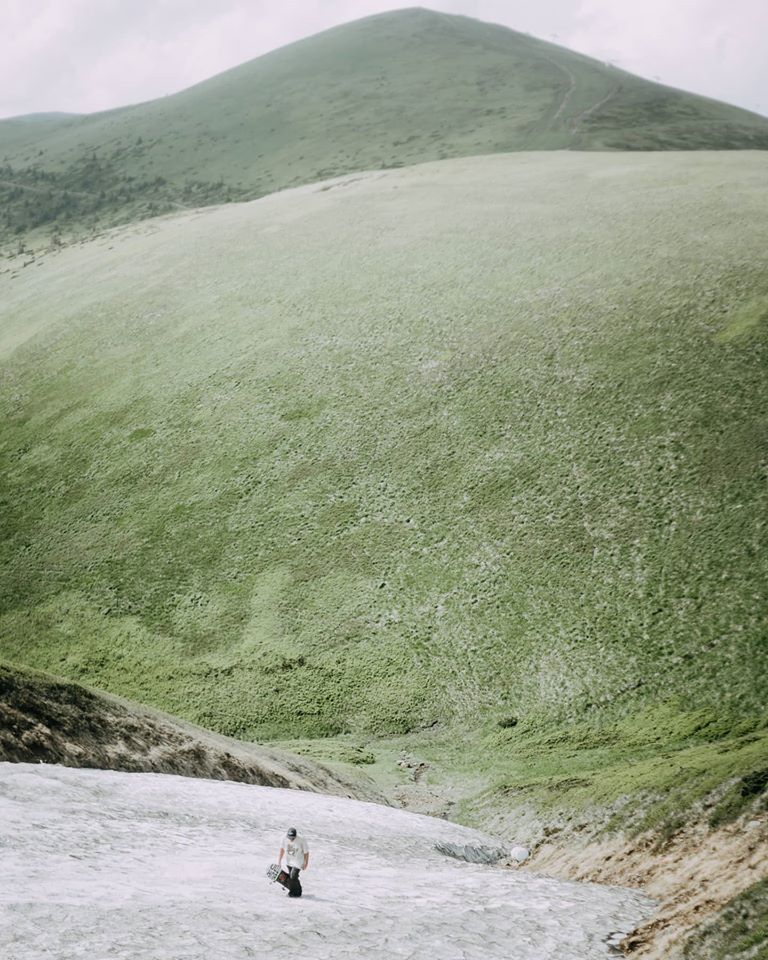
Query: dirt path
point(576, 121)
point(581, 117)
point(569, 92)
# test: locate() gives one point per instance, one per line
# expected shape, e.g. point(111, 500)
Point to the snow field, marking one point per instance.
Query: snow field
point(100, 865)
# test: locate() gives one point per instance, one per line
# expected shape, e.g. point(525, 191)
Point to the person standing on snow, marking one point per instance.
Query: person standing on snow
point(296, 853)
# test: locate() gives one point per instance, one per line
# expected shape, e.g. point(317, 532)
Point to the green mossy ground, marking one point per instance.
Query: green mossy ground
point(436, 446)
point(646, 770)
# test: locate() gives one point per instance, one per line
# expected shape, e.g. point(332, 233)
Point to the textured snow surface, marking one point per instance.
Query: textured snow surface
point(97, 864)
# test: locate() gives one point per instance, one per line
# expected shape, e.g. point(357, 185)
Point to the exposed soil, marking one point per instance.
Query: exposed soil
point(693, 874)
point(693, 877)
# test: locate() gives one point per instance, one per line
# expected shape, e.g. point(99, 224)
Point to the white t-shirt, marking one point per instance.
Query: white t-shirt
point(295, 851)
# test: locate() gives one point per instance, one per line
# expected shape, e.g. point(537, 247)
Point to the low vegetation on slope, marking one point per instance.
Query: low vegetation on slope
point(389, 90)
point(738, 932)
point(47, 720)
point(479, 437)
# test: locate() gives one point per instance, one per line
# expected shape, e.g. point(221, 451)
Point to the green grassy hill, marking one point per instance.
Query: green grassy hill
point(474, 440)
point(389, 90)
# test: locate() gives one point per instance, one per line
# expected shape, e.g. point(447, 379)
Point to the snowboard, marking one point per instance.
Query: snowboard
point(278, 875)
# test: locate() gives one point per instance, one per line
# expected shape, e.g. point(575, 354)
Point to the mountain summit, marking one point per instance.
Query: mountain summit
point(390, 90)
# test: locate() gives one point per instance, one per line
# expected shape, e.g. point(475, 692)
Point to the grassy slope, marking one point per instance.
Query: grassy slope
point(476, 438)
point(646, 770)
point(46, 720)
point(19, 134)
point(390, 90)
point(739, 932)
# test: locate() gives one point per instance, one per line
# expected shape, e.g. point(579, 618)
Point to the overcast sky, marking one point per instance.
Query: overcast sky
point(87, 55)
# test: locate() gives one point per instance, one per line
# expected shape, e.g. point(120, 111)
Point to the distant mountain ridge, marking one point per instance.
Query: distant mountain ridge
point(393, 89)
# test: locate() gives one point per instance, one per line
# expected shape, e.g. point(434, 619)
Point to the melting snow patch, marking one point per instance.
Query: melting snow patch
point(137, 866)
point(471, 852)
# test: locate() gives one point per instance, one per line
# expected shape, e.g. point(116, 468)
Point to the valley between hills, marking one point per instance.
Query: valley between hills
point(433, 475)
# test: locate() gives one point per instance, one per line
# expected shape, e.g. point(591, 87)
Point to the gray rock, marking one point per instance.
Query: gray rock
point(471, 853)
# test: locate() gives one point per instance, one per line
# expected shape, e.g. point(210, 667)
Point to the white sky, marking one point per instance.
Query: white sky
point(88, 55)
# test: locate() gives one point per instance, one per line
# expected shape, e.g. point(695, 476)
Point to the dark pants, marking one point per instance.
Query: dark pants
point(294, 884)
